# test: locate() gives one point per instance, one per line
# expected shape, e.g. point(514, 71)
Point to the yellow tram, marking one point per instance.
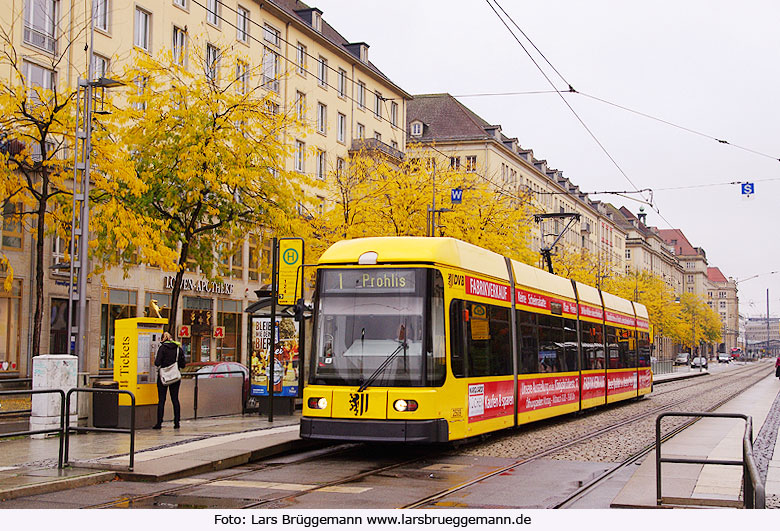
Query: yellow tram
point(434, 339)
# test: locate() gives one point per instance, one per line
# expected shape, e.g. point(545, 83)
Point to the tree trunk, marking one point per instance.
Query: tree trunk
point(39, 233)
point(176, 292)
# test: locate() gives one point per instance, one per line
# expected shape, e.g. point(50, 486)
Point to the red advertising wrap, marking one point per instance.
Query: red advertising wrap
point(547, 391)
point(489, 400)
point(645, 377)
point(621, 382)
point(593, 385)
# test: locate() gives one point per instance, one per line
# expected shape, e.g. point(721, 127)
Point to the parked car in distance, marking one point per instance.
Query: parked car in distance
point(699, 361)
point(681, 359)
point(724, 358)
point(217, 369)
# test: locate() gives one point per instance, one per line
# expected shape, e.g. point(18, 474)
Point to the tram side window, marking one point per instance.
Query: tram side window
point(613, 353)
point(486, 331)
point(457, 338)
point(570, 344)
point(592, 346)
point(625, 346)
point(643, 349)
point(528, 340)
point(551, 352)
point(436, 352)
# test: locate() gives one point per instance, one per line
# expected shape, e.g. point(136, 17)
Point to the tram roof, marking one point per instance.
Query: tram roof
point(412, 249)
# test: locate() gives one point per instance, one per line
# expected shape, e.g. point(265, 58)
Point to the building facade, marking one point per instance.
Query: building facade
point(724, 300)
point(310, 69)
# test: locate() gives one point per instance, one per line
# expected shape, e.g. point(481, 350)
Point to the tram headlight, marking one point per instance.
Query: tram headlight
point(405, 405)
point(318, 402)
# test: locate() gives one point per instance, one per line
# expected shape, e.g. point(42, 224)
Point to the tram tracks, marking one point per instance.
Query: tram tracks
point(287, 498)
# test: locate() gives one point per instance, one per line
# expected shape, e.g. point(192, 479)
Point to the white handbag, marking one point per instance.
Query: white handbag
point(171, 373)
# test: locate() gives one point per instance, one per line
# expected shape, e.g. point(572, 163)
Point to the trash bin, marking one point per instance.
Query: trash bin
point(105, 406)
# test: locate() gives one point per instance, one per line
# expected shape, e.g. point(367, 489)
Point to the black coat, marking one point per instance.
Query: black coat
point(166, 355)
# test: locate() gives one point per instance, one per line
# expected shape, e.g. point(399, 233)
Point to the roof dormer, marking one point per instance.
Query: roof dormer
point(359, 50)
point(313, 17)
point(416, 128)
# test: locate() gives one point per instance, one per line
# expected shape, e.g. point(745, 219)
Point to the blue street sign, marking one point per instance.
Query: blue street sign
point(456, 196)
point(748, 188)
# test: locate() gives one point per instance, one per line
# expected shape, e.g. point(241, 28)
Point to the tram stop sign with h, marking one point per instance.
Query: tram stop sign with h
point(290, 258)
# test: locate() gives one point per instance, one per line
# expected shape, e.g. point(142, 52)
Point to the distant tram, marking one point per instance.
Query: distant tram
point(430, 340)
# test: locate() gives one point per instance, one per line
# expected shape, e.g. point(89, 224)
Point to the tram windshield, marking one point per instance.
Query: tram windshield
point(369, 317)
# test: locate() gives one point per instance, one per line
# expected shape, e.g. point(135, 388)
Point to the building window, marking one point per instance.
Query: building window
point(12, 226)
point(100, 66)
point(628, 254)
point(394, 113)
point(455, 163)
point(471, 163)
point(322, 119)
point(213, 8)
point(342, 83)
point(300, 106)
point(253, 266)
point(212, 63)
point(361, 131)
point(197, 313)
point(179, 46)
point(271, 34)
point(163, 301)
point(361, 95)
point(229, 317)
point(394, 144)
point(143, 22)
point(339, 167)
point(270, 70)
point(181, 3)
point(40, 20)
point(242, 77)
point(38, 77)
point(242, 24)
point(58, 325)
point(116, 304)
point(10, 325)
point(322, 72)
point(140, 90)
point(300, 156)
point(300, 59)
point(341, 128)
point(377, 136)
point(321, 166)
point(232, 259)
point(417, 129)
point(101, 15)
point(377, 105)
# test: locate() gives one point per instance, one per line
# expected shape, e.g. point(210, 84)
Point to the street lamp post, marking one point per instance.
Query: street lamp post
point(80, 215)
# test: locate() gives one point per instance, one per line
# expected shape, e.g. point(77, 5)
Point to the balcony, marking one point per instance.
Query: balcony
point(373, 145)
point(40, 39)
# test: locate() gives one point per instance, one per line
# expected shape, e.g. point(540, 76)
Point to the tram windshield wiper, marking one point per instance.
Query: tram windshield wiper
point(403, 346)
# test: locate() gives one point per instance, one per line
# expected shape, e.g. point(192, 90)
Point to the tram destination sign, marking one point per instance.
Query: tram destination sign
point(369, 281)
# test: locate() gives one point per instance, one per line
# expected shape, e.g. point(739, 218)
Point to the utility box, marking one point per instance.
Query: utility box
point(136, 342)
point(53, 371)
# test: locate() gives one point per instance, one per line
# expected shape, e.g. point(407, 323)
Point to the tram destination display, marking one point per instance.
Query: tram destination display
point(369, 281)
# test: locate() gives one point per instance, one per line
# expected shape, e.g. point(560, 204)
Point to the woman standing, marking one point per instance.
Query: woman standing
point(777, 367)
point(169, 353)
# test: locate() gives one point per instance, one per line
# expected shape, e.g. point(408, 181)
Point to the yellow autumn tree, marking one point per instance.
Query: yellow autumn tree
point(207, 141)
point(375, 195)
point(37, 136)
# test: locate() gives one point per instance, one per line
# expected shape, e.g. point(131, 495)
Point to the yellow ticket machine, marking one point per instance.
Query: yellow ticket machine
point(135, 345)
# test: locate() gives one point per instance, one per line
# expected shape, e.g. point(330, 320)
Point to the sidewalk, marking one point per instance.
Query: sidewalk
point(29, 466)
point(710, 438)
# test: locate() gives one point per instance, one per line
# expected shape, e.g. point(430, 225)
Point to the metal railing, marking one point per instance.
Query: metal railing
point(79, 429)
point(196, 376)
point(59, 430)
point(662, 366)
point(13, 382)
point(753, 488)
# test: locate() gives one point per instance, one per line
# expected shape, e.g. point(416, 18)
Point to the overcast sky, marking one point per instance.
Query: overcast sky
point(706, 65)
